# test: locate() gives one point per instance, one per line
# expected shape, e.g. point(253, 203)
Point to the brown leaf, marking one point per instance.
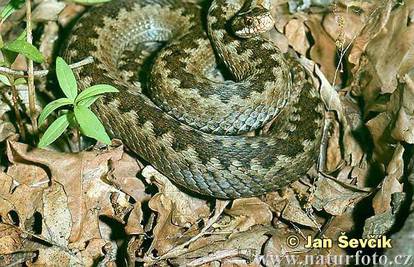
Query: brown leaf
point(244, 246)
point(88, 196)
point(134, 223)
point(10, 240)
point(374, 23)
point(26, 173)
point(47, 10)
point(343, 223)
point(278, 245)
point(392, 182)
point(323, 51)
point(176, 211)
point(69, 13)
point(295, 32)
point(334, 153)
point(404, 125)
point(7, 130)
point(249, 212)
point(382, 223)
point(93, 251)
point(335, 198)
point(280, 251)
point(343, 26)
point(379, 128)
point(388, 63)
point(57, 222)
point(289, 208)
point(21, 199)
point(124, 177)
point(60, 257)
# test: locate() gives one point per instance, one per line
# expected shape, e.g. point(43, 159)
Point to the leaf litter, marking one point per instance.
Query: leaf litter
point(103, 206)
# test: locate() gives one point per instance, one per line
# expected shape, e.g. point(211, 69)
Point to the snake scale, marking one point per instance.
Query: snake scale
point(194, 85)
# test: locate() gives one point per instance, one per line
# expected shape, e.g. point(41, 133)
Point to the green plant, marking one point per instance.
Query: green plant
point(10, 8)
point(79, 116)
point(9, 52)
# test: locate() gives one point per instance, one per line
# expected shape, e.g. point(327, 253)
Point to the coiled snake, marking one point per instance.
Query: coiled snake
point(192, 122)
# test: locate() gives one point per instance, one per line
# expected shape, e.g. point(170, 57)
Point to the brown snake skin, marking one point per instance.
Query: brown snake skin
point(190, 121)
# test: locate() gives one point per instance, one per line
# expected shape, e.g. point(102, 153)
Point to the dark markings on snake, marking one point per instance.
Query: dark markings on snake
point(179, 113)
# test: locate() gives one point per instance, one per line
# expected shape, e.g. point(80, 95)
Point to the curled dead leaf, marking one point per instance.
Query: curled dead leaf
point(176, 210)
point(392, 182)
point(249, 212)
point(295, 32)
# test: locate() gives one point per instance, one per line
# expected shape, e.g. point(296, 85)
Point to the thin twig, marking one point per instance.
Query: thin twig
point(181, 249)
point(342, 50)
point(78, 139)
point(30, 80)
point(25, 234)
point(341, 58)
point(216, 256)
point(42, 73)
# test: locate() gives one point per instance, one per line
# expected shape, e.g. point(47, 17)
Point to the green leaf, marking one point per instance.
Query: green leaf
point(4, 79)
point(20, 81)
point(66, 79)
point(90, 125)
point(52, 106)
point(10, 8)
point(9, 57)
point(22, 36)
point(88, 101)
point(54, 131)
point(23, 47)
point(72, 120)
point(96, 90)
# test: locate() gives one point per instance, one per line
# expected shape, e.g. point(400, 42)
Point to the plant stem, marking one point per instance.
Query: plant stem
point(75, 143)
point(79, 139)
point(42, 73)
point(16, 103)
point(30, 80)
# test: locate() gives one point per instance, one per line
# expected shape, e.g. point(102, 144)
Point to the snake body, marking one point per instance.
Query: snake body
point(180, 114)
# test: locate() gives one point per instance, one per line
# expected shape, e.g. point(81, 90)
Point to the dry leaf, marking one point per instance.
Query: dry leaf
point(10, 240)
point(392, 62)
point(47, 10)
point(56, 216)
point(70, 195)
point(295, 32)
point(244, 246)
point(323, 51)
point(7, 130)
point(134, 226)
point(391, 184)
point(124, 177)
point(335, 198)
point(374, 23)
point(294, 212)
point(175, 210)
point(404, 125)
point(343, 26)
point(249, 212)
point(90, 208)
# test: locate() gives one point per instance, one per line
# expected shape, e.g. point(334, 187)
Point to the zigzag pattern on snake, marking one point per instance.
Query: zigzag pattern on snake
point(190, 121)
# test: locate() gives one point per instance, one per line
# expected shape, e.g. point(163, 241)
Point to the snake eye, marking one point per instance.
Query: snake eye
point(248, 21)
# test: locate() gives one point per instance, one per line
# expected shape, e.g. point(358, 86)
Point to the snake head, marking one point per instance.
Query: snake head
point(253, 22)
